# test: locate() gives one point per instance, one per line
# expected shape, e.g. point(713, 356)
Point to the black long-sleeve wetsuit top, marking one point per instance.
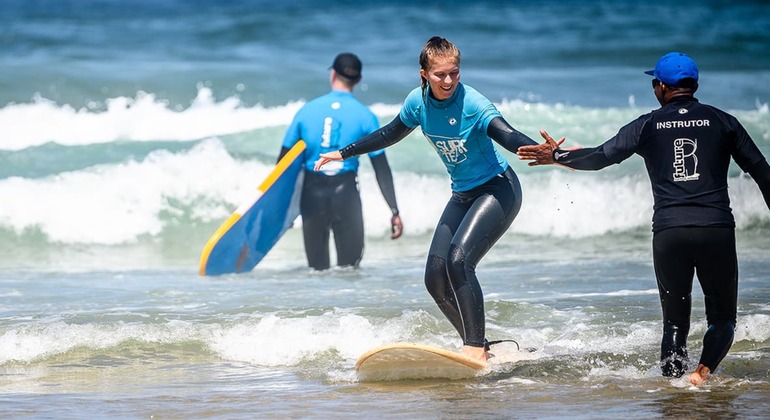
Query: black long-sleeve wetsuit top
point(686, 148)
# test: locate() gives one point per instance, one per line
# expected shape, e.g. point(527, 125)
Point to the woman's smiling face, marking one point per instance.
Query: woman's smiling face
point(443, 75)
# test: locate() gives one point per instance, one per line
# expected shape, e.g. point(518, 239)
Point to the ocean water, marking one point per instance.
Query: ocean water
point(130, 130)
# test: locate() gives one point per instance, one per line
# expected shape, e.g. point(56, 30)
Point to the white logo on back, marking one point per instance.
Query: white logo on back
point(685, 161)
point(326, 136)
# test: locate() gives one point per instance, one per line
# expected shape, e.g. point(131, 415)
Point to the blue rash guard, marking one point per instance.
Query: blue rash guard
point(486, 194)
point(457, 129)
point(330, 199)
point(345, 121)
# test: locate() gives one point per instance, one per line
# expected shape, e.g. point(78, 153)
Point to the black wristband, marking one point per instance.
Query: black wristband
point(558, 153)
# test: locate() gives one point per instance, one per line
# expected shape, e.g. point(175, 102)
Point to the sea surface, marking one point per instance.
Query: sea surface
point(130, 130)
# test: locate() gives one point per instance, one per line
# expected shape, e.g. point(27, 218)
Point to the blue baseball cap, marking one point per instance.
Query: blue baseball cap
point(673, 67)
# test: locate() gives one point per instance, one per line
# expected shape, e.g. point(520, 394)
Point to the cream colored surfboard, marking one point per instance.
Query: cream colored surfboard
point(415, 361)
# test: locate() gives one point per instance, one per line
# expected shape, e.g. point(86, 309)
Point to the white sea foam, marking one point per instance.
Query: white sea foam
point(119, 203)
point(141, 118)
point(144, 117)
point(755, 327)
point(287, 340)
point(277, 341)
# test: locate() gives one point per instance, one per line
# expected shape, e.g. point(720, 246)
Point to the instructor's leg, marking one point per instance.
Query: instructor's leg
point(717, 269)
point(674, 270)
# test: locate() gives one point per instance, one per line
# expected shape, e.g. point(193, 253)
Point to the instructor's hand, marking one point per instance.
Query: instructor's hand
point(396, 227)
point(541, 154)
point(326, 158)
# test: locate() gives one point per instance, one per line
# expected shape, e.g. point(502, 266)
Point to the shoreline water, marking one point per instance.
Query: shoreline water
point(130, 131)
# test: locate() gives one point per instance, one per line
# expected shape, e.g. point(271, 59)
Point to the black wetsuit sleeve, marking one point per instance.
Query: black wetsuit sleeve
point(284, 150)
point(588, 159)
point(760, 172)
point(500, 131)
point(385, 180)
point(615, 150)
point(381, 138)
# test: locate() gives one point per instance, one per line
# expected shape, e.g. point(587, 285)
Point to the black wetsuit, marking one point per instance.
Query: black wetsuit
point(687, 148)
point(471, 223)
point(333, 204)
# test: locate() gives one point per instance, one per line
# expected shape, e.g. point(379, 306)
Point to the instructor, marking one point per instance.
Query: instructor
point(330, 199)
point(686, 147)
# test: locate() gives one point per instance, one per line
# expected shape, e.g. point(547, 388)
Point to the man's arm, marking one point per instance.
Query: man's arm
point(385, 181)
point(586, 159)
point(760, 172)
point(284, 150)
point(620, 147)
point(549, 153)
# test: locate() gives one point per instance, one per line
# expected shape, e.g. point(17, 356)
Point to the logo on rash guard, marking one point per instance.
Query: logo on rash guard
point(326, 136)
point(685, 160)
point(453, 150)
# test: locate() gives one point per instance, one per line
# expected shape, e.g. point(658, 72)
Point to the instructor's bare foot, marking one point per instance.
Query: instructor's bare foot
point(700, 375)
point(476, 353)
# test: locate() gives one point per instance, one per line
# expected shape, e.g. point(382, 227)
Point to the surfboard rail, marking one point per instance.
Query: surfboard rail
point(401, 361)
point(238, 248)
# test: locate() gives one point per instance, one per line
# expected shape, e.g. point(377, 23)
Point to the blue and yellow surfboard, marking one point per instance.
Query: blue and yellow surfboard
point(241, 242)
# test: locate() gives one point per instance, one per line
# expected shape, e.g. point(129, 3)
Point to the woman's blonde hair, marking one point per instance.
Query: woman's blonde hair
point(436, 47)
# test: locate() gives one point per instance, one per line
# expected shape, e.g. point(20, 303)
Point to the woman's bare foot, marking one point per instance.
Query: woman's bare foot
point(476, 353)
point(700, 375)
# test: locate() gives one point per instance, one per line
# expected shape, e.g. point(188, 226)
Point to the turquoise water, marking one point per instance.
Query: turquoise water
point(130, 131)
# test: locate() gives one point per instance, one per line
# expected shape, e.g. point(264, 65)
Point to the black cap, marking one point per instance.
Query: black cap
point(347, 65)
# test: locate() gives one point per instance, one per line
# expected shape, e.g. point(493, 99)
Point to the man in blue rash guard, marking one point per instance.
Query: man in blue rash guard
point(686, 147)
point(330, 199)
point(460, 124)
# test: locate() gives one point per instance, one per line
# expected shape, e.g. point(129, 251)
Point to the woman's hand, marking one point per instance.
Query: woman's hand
point(326, 158)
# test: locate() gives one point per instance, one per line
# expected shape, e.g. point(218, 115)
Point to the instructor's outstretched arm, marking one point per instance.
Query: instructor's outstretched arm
point(540, 154)
point(549, 153)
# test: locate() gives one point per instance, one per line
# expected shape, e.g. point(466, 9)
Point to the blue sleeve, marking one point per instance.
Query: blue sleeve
point(488, 112)
point(292, 135)
point(413, 106)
